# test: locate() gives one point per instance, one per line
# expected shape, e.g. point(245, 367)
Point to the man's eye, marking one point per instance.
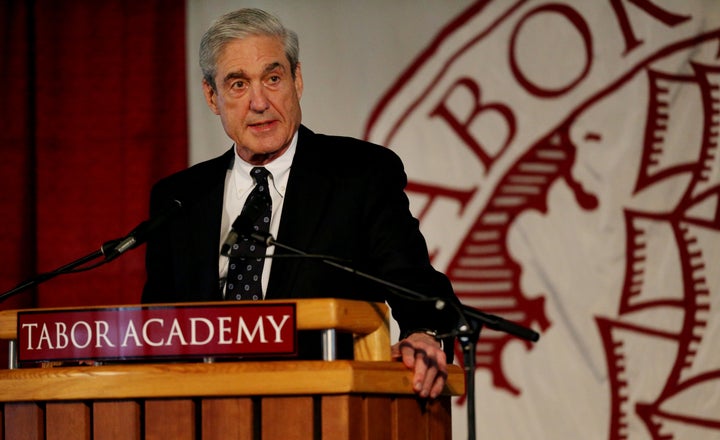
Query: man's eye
point(238, 85)
point(274, 79)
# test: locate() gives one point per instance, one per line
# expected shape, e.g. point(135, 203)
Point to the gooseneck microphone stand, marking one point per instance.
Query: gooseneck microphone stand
point(109, 250)
point(75, 266)
point(470, 320)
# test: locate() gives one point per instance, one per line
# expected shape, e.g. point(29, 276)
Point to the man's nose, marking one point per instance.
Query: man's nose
point(258, 99)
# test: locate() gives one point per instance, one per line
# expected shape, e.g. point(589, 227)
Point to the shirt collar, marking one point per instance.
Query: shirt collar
point(279, 170)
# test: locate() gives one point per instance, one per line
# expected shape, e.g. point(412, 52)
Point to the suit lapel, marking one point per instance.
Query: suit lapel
point(207, 216)
point(308, 189)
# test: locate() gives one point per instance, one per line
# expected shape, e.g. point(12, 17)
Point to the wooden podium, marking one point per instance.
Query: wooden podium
point(369, 397)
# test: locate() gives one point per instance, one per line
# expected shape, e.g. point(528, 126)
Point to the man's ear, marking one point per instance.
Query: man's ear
point(298, 81)
point(210, 96)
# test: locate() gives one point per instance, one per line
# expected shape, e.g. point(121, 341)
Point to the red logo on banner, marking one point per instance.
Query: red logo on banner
point(157, 332)
point(491, 122)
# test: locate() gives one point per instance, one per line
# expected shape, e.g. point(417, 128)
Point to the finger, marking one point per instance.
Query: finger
point(424, 373)
point(441, 376)
point(395, 351)
point(434, 369)
point(429, 381)
point(438, 385)
point(407, 352)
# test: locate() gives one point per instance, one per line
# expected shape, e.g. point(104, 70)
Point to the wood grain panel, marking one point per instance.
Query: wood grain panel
point(343, 418)
point(409, 419)
point(288, 418)
point(114, 420)
point(24, 421)
point(169, 419)
point(67, 421)
point(227, 418)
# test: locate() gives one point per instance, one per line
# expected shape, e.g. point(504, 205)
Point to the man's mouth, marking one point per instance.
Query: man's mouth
point(261, 125)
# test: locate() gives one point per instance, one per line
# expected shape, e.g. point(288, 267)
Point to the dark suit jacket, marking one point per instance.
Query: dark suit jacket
point(345, 198)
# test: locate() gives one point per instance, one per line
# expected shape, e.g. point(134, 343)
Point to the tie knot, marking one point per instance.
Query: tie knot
point(260, 174)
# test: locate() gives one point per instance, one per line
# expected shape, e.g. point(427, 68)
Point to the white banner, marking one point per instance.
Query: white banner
point(563, 160)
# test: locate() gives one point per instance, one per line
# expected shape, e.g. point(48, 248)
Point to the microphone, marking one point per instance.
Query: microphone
point(243, 224)
point(140, 234)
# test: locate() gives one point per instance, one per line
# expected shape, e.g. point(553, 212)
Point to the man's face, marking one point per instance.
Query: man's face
point(256, 97)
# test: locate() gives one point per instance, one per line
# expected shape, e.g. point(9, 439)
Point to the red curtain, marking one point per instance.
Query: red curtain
point(92, 113)
point(17, 193)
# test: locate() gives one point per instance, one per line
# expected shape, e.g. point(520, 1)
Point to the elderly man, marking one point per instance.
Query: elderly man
point(326, 195)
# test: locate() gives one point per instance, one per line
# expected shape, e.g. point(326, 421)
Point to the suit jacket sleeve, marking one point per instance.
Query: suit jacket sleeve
point(402, 253)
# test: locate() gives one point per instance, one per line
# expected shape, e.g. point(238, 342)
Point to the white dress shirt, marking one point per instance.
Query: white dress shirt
point(239, 184)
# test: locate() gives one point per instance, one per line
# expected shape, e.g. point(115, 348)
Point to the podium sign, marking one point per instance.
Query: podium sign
point(151, 332)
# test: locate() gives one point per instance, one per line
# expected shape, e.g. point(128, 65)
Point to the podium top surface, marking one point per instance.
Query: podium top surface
point(164, 380)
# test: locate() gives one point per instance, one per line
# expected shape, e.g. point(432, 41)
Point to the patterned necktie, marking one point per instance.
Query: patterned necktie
point(245, 267)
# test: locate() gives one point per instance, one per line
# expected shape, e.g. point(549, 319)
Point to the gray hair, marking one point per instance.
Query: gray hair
point(240, 24)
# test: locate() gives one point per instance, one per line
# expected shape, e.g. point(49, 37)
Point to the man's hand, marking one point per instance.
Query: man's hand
point(424, 355)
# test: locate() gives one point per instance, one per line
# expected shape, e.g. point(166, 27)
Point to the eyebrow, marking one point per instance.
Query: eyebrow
point(242, 75)
point(273, 66)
